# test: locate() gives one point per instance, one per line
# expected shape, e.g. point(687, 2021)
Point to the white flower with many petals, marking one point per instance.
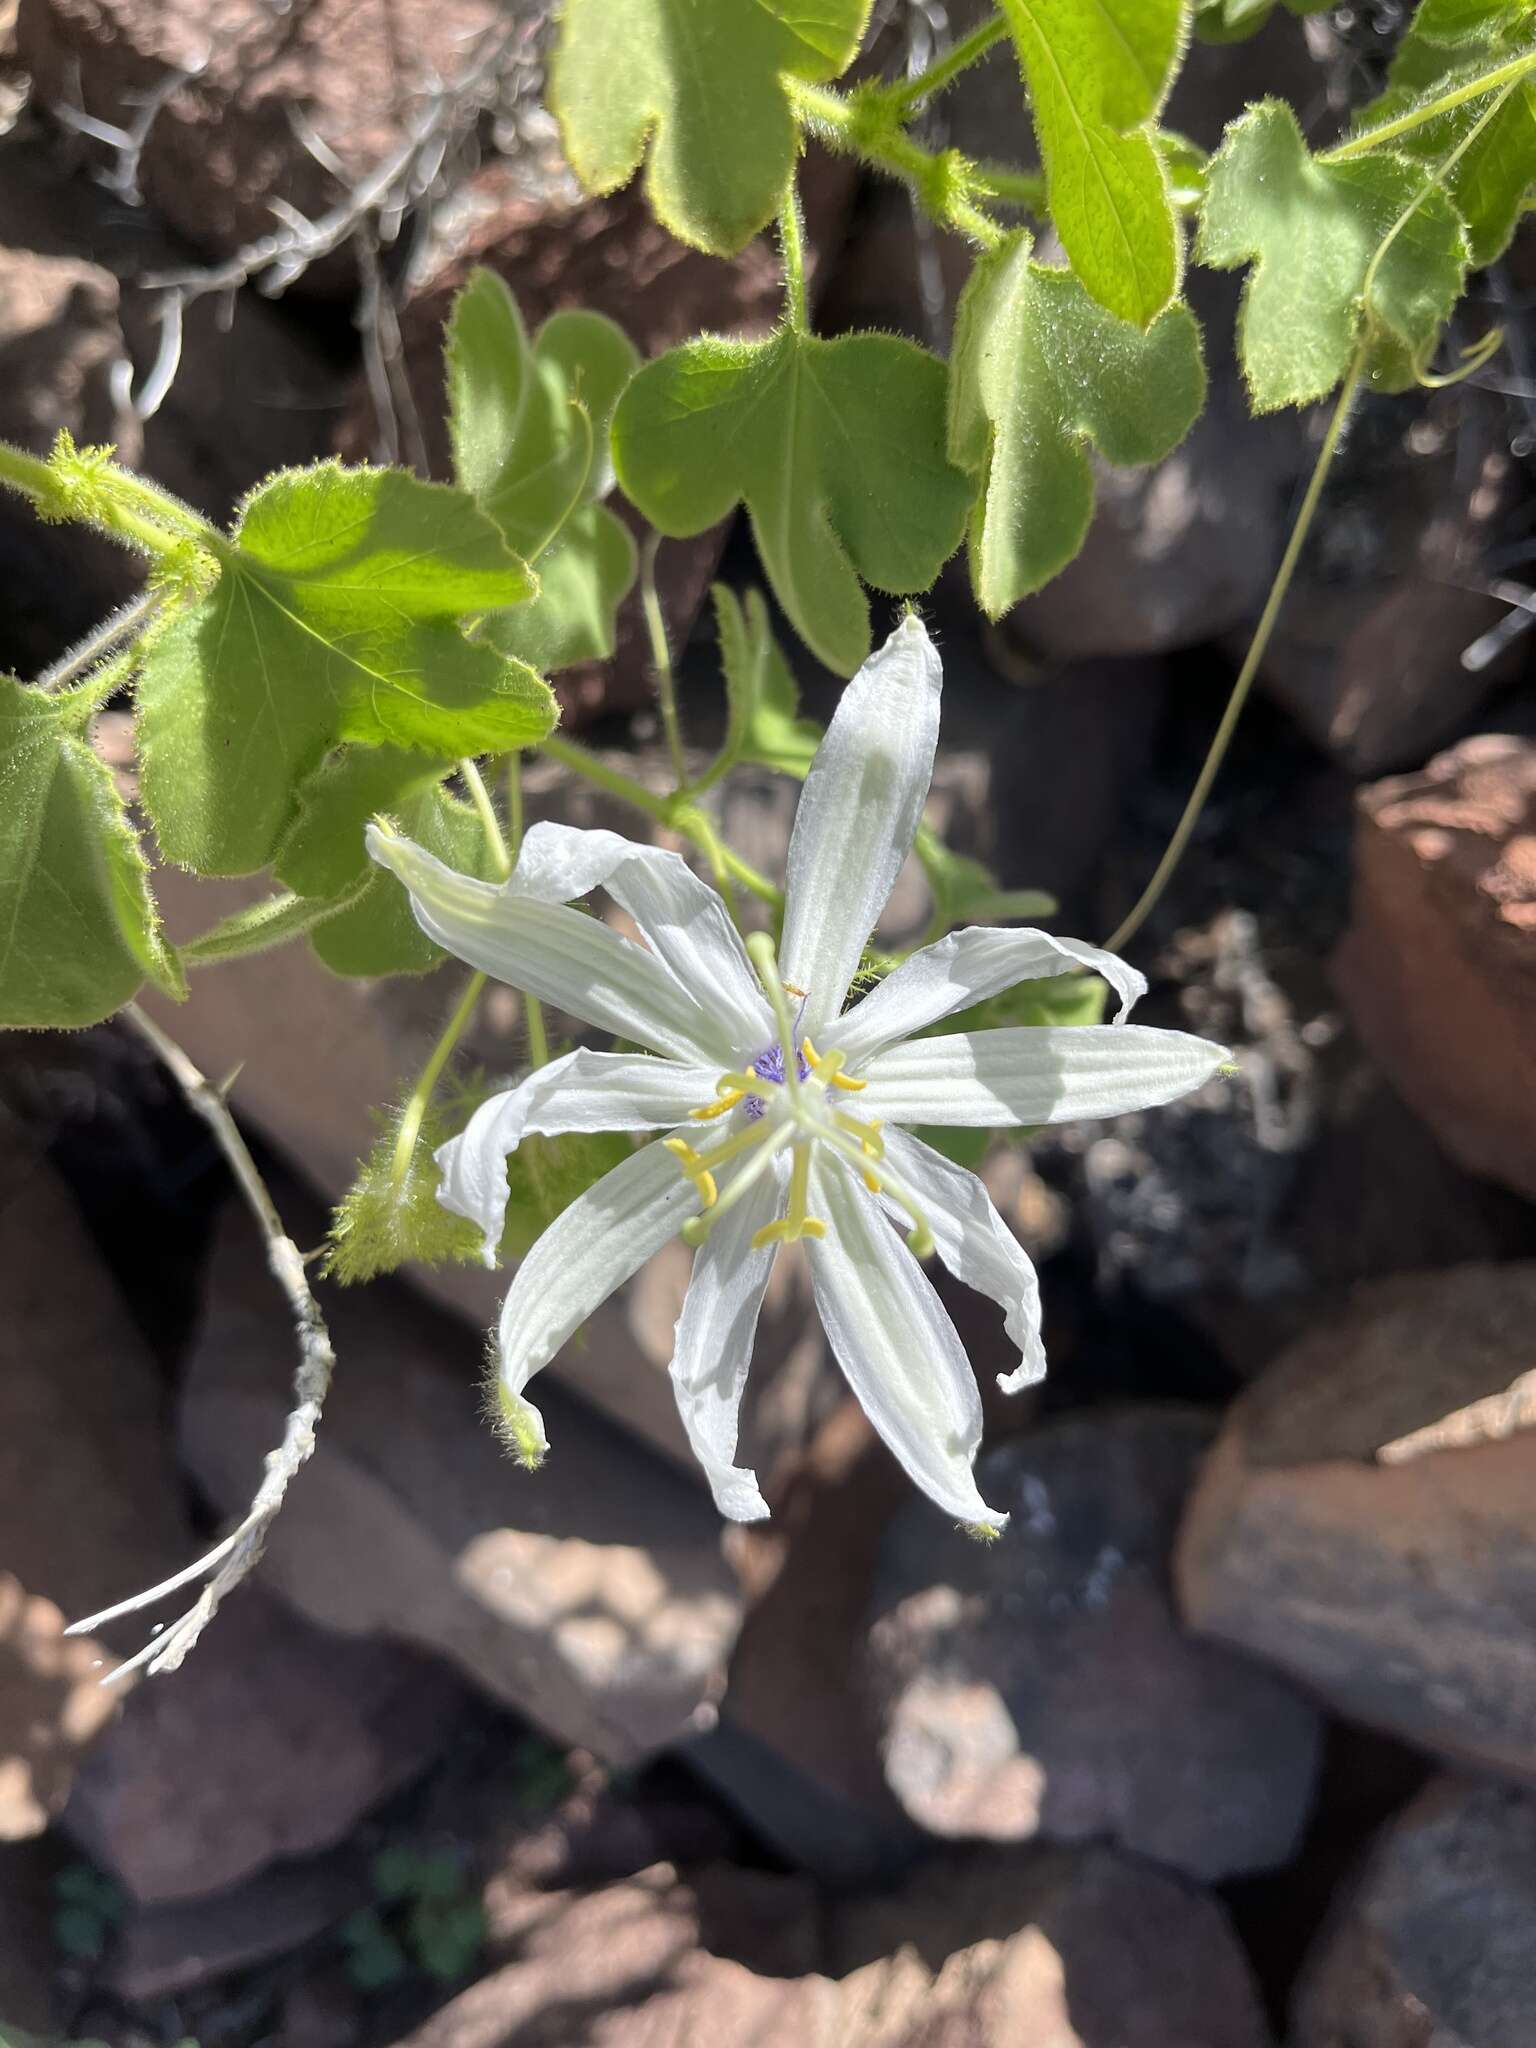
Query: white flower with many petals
point(784, 1110)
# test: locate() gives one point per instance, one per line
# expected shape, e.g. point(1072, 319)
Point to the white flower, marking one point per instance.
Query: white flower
point(784, 1109)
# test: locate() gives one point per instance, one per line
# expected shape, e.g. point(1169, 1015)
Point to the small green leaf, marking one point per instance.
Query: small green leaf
point(699, 83)
point(1233, 21)
point(1312, 231)
point(1038, 372)
point(835, 447)
point(79, 933)
point(261, 926)
point(333, 619)
point(762, 700)
point(368, 928)
point(584, 576)
point(1097, 72)
point(1450, 43)
point(967, 892)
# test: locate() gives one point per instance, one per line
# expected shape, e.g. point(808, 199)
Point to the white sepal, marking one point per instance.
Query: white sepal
point(1035, 1074)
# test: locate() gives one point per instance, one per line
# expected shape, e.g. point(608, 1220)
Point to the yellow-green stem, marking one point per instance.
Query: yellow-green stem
point(792, 253)
point(1507, 75)
point(421, 1095)
point(661, 659)
point(944, 70)
point(533, 1009)
point(490, 824)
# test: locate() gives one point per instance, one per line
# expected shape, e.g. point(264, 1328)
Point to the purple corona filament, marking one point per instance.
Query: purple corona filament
point(770, 1065)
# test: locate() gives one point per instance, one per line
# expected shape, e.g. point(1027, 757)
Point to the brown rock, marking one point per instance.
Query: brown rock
point(1435, 1946)
point(271, 1742)
point(1366, 1520)
point(223, 144)
point(1084, 1950)
point(1439, 966)
point(592, 1595)
point(1042, 1686)
point(88, 1491)
point(1366, 655)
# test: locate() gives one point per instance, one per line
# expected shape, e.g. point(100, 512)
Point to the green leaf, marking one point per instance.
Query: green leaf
point(763, 702)
point(1233, 21)
point(1039, 372)
point(965, 891)
point(368, 928)
point(529, 428)
point(698, 83)
point(1097, 72)
point(79, 933)
point(1450, 43)
point(835, 447)
point(1338, 249)
point(261, 926)
point(333, 619)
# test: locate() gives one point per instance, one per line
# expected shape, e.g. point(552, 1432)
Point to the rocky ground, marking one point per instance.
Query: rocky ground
point(1232, 1741)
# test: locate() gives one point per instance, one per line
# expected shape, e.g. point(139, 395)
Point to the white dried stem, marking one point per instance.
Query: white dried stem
point(235, 1557)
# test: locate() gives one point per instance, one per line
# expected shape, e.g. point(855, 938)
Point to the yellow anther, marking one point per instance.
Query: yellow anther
point(723, 1107)
point(796, 1223)
point(871, 1183)
point(866, 1135)
point(829, 1070)
point(847, 1081)
point(694, 1168)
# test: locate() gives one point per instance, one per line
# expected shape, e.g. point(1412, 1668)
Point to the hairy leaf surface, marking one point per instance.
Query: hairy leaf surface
point(835, 447)
point(694, 86)
point(1040, 372)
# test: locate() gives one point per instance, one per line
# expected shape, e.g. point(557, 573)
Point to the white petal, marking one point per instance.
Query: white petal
point(590, 1249)
point(976, 1245)
point(713, 1345)
point(1035, 1074)
point(896, 1346)
point(584, 1091)
point(857, 816)
point(559, 955)
point(681, 918)
point(966, 968)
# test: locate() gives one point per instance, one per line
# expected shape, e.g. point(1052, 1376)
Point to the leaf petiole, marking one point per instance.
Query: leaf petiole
point(1505, 75)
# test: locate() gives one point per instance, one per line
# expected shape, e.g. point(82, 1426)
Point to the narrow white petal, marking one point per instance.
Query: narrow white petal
point(857, 816)
point(713, 1345)
point(681, 918)
point(976, 1245)
point(559, 955)
point(584, 1091)
point(966, 968)
point(1035, 1074)
point(590, 1249)
point(896, 1346)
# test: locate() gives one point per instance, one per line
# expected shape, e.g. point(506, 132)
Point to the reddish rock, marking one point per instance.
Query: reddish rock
point(1439, 965)
point(270, 1742)
point(1367, 1520)
point(1435, 1945)
point(1042, 1686)
point(223, 144)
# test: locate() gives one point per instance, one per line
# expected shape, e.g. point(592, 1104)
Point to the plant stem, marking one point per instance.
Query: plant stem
point(235, 1557)
point(415, 1110)
point(661, 659)
point(792, 253)
point(100, 642)
point(968, 51)
point(167, 525)
point(1473, 89)
point(490, 824)
point(1173, 853)
point(533, 1009)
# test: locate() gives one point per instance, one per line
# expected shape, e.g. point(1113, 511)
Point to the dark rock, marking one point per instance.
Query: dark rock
point(1438, 967)
point(26, 1935)
point(88, 1489)
point(1366, 1519)
point(1435, 1946)
point(1042, 1686)
point(591, 1596)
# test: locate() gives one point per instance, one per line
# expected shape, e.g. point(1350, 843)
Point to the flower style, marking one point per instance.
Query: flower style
point(783, 1109)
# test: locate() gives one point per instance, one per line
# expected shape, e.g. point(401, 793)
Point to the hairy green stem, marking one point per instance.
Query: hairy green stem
point(1174, 851)
point(490, 824)
point(412, 1116)
point(533, 1009)
point(160, 523)
point(100, 642)
point(1506, 75)
point(792, 253)
point(661, 659)
point(947, 185)
point(944, 70)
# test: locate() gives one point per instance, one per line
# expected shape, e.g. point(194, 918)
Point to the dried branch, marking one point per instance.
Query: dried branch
point(236, 1556)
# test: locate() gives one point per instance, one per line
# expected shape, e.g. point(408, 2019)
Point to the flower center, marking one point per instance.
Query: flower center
point(782, 1110)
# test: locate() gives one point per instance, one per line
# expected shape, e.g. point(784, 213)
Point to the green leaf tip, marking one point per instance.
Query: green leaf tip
point(1039, 373)
point(695, 89)
point(804, 433)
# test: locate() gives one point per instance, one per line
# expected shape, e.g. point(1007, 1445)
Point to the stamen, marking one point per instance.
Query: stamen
point(694, 1168)
point(697, 1228)
point(723, 1107)
point(880, 1180)
point(829, 1069)
point(764, 959)
point(796, 1223)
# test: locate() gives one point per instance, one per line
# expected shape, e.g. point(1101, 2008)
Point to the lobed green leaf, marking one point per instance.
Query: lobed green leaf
point(835, 447)
point(1339, 251)
point(1040, 371)
point(79, 933)
point(1097, 73)
point(695, 88)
